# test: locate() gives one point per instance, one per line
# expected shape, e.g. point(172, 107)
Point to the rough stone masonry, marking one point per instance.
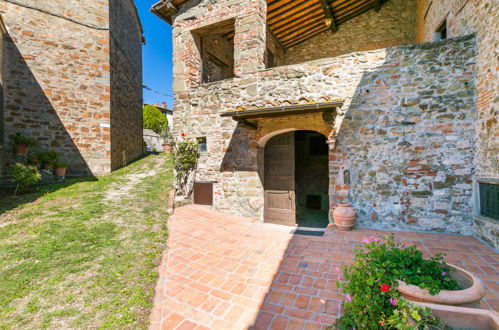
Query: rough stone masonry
point(72, 80)
point(415, 131)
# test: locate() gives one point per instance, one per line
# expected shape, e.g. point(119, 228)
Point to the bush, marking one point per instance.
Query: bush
point(22, 140)
point(154, 119)
point(372, 301)
point(25, 176)
point(185, 156)
point(49, 157)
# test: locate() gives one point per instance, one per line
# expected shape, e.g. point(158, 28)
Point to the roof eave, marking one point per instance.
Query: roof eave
point(165, 10)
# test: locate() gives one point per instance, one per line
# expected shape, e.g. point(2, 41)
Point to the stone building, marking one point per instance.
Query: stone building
point(71, 75)
point(390, 105)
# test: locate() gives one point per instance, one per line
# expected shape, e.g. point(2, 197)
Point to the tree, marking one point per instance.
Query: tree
point(154, 119)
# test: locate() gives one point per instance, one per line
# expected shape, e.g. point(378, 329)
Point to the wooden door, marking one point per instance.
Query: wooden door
point(279, 180)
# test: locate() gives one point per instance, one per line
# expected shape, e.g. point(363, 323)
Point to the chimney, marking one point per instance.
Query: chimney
point(163, 104)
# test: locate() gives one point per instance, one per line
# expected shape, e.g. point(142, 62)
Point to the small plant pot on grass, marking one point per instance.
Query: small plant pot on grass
point(48, 159)
point(167, 148)
point(60, 169)
point(472, 291)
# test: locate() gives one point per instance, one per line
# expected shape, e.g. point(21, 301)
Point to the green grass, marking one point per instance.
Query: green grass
point(82, 254)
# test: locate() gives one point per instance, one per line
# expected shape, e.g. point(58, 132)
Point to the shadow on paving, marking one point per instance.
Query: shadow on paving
point(304, 295)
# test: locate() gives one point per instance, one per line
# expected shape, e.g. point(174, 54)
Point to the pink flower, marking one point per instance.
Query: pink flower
point(183, 134)
point(443, 273)
point(380, 322)
point(393, 301)
point(366, 241)
point(349, 299)
point(377, 239)
point(319, 321)
point(338, 269)
point(339, 277)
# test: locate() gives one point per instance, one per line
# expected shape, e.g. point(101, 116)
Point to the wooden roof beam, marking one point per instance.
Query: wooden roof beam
point(329, 15)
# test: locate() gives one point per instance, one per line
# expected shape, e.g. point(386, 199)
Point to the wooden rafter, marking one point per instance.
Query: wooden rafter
point(291, 22)
point(329, 15)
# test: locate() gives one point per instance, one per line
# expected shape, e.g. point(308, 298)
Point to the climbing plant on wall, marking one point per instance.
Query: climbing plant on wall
point(185, 155)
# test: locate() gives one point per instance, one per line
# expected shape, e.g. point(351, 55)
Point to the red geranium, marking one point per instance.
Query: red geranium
point(380, 323)
point(385, 288)
point(183, 134)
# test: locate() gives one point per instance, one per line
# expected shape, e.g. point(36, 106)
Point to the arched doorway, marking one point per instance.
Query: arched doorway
point(296, 179)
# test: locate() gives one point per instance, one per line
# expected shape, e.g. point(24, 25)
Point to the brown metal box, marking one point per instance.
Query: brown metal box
point(203, 193)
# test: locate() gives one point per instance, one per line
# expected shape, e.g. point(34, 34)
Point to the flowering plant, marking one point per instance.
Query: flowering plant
point(372, 301)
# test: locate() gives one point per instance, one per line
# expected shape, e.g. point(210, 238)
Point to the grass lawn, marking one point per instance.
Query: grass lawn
point(85, 253)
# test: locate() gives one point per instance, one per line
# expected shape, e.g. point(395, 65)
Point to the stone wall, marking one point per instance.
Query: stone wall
point(126, 83)
point(57, 74)
point(416, 100)
point(480, 17)
point(394, 24)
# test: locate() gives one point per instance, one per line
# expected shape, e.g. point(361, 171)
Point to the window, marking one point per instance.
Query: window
point(216, 48)
point(202, 144)
point(441, 32)
point(489, 200)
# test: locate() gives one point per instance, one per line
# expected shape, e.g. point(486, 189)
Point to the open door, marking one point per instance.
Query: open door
point(279, 174)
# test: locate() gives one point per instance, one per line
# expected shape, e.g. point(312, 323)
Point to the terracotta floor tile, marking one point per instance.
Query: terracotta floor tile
point(219, 269)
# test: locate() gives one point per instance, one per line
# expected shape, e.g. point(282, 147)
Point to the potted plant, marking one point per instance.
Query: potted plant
point(372, 300)
point(22, 144)
point(344, 216)
point(463, 317)
point(472, 290)
point(167, 139)
point(60, 169)
point(33, 160)
point(48, 159)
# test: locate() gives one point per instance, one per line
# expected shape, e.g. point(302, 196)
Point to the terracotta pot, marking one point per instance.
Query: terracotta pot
point(167, 148)
point(344, 216)
point(60, 171)
point(21, 149)
point(470, 296)
point(464, 318)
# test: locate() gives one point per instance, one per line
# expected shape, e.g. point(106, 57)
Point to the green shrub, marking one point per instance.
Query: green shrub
point(25, 176)
point(22, 140)
point(372, 301)
point(185, 155)
point(49, 157)
point(154, 119)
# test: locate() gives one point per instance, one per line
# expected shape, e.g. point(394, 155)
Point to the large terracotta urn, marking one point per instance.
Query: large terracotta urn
point(470, 295)
point(344, 216)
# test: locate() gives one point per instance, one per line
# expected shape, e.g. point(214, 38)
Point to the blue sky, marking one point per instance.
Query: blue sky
point(157, 55)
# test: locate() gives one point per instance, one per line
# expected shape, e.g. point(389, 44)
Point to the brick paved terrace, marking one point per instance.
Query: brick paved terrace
point(227, 272)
